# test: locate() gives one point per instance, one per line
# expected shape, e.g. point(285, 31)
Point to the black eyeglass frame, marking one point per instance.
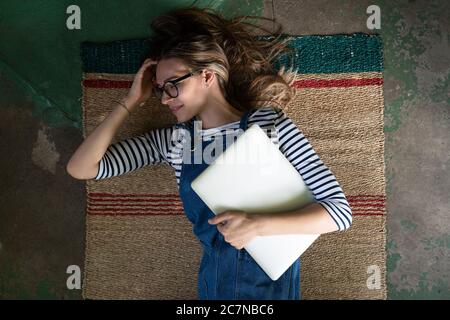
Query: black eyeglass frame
point(159, 90)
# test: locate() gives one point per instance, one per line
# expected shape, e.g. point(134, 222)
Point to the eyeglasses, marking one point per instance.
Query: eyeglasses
point(170, 87)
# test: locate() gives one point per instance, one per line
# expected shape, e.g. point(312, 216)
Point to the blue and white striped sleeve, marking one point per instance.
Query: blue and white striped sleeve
point(133, 153)
point(319, 179)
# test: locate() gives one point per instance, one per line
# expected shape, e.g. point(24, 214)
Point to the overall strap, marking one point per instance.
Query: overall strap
point(244, 120)
point(191, 128)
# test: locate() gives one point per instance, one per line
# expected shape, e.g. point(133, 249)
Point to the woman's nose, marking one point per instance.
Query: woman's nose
point(165, 98)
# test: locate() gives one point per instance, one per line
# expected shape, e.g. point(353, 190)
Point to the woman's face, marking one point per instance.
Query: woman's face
point(191, 91)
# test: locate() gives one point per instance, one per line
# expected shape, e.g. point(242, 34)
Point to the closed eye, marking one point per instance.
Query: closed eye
point(159, 87)
point(167, 80)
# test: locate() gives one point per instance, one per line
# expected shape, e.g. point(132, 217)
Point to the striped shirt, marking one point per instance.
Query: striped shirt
point(165, 146)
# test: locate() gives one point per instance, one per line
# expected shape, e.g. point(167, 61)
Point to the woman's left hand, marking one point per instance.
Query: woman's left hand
point(237, 227)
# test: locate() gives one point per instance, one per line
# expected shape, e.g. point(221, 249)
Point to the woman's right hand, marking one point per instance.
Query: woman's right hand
point(142, 86)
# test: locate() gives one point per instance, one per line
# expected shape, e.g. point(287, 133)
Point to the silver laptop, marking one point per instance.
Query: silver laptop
point(253, 175)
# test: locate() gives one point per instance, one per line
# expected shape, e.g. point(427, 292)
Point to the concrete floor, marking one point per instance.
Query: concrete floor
point(42, 208)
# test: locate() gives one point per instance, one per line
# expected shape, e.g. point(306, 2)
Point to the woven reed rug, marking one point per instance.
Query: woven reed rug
point(139, 244)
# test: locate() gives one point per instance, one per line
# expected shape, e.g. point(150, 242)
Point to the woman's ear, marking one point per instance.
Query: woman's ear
point(207, 77)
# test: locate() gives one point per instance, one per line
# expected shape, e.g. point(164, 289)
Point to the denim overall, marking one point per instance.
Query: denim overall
point(225, 272)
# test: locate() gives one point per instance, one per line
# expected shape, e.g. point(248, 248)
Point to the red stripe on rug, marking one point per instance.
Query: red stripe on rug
point(103, 83)
point(171, 204)
point(366, 196)
point(124, 205)
point(136, 213)
point(322, 83)
point(122, 200)
point(367, 205)
point(108, 204)
point(364, 205)
point(134, 209)
point(158, 195)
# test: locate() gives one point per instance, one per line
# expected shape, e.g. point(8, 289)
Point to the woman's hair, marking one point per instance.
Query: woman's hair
point(202, 38)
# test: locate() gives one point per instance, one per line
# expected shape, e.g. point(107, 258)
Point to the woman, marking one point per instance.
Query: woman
point(213, 71)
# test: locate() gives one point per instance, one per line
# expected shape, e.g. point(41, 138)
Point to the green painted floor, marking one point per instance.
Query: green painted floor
point(42, 208)
point(39, 51)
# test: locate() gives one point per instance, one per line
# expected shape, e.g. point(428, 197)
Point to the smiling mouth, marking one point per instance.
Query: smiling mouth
point(176, 109)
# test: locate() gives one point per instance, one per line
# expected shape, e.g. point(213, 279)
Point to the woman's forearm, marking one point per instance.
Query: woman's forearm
point(312, 219)
point(83, 162)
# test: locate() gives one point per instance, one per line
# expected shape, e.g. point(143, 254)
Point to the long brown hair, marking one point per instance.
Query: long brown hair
point(203, 38)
